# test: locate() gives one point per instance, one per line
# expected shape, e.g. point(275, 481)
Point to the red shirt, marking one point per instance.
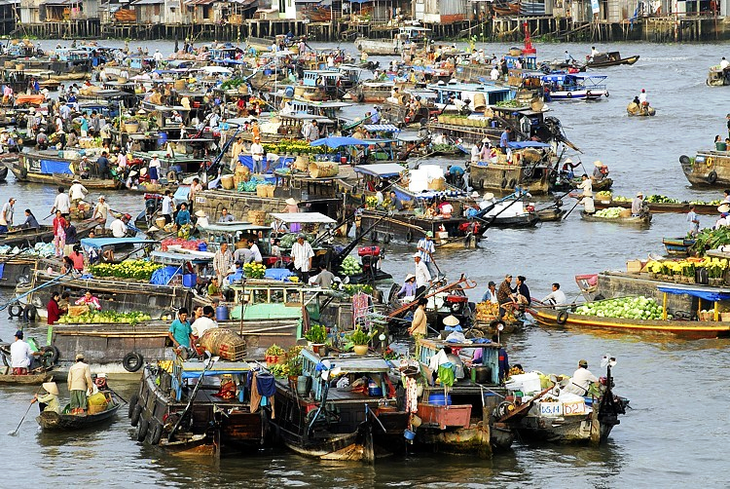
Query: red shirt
point(78, 260)
point(54, 312)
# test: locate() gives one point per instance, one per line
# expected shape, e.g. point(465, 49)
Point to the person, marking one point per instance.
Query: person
point(225, 216)
point(222, 262)
point(89, 300)
point(523, 291)
point(395, 202)
point(408, 290)
point(276, 248)
point(20, 355)
point(504, 295)
point(167, 207)
point(154, 169)
point(72, 238)
point(594, 52)
point(586, 185)
point(726, 196)
point(723, 209)
point(568, 58)
point(102, 163)
point(556, 297)
point(324, 278)
point(49, 401)
point(581, 380)
point(53, 308)
point(446, 357)
point(79, 384)
point(204, 322)
point(694, 221)
point(6, 215)
point(642, 98)
point(183, 216)
point(257, 154)
point(302, 254)
point(214, 289)
point(243, 254)
point(504, 139)
point(119, 226)
point(292, 207)
point(426, 249)
point(101, 210)
point(59, 233)
point(255, 251)
point(599, 172)
point(491, 293)
point(423, 276)
point(637, 205)
point(64, 302)
point(476, 152)
point(30, 221)
point(62, 203)
point(77, 192)
point(195, 189)
point(419, 324)
point(77, 257)
point(201, 218)
point(180, 333)
point(724, 63)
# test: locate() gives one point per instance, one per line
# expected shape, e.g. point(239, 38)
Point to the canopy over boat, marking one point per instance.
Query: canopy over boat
point(99, 243)
point(303, 217)
point(380, 170)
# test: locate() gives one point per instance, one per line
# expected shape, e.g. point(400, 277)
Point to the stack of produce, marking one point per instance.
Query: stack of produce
point(288, 240)
point(187, 244)
point(371, 202)
point(709, 239)
point(610, 213)
point(350, 266)
point(626, 308)
point(134, 269)
point(354, 289)
point(254, 270)
point(716, 267)
point(106, 317)
point(292, 147)
point(487, 311)
point(661, 199)
point(250, 186)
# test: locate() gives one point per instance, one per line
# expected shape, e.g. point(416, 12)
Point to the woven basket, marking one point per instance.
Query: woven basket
point(225, 343)
point(257, 217)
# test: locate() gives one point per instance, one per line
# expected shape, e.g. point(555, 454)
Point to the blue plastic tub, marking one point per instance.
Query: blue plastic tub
point(221, 313)
point(438, 398)
point(408, 434)
point(190, 280)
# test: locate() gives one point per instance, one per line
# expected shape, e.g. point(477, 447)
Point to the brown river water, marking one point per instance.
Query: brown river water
point(675, 435)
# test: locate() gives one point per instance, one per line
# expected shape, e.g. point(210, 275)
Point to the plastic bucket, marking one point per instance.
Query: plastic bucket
point(374, 389)
point(483, 375)
point(202, 246)
point(190, 280)
point(289, 92)
point(161, 139)
point(409, 435)
point(221, 313)
point(438, 398)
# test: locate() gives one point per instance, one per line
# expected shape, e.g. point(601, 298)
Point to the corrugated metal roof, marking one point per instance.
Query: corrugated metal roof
point(199, 2)
point(147, 2)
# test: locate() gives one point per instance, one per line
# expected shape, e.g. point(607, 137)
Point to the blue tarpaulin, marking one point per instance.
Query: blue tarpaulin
point(527, 144)
point(53, 166)
point(708, 295)
point(337, 141)
point(162, 276)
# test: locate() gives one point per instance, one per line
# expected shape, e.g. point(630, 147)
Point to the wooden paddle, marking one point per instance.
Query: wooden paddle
point(15, 431)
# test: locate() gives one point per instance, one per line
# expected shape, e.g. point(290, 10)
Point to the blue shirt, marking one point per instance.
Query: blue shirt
point(503, 140)
point(183, 217)
point(181, 332)
point(425, 248)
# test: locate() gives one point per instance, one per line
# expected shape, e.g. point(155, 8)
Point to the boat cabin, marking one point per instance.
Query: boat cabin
point(491, 94)
point(415, 34)
point(115, 250)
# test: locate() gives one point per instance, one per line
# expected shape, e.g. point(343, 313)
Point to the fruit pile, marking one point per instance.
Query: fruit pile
point(350, 266)
point(288, 240)
point(487, 311)
point(134, 269)
point(610, 213)
point(627, 308)
point(661, 199)
point(106, 317)
point(354, 289)
point(254, 270)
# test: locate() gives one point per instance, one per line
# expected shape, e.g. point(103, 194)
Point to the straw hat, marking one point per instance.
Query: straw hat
point(416, 255)
point(475, 195)
point(79, 356)
point(723, 208)
point(488, 196)
point(639, 194)
point(291, 201)
point(143, 171)
point(598, 164)
point(200, 213)
point(568, 160)
point(51, 388)
point(410, 276)
point(451, 321)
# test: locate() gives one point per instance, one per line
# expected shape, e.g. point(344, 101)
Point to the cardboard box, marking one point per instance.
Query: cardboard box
point(634, 266)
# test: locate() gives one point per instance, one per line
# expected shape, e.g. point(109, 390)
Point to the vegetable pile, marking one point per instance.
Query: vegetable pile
point(709, 239)
point(661, 199)
point(350, 266)
point(134, 269)
point(610, 213)
point(288, 240)
point(627, 308)
point(106, 317)
point(354, 289)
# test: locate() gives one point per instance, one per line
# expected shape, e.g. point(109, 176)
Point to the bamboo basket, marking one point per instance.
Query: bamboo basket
point(260, 190)
point(322, 169)
point(225, 343)
point(257, 217)
point(302, 163)
point(227, 182)
point(437, 184)
point(270, 191)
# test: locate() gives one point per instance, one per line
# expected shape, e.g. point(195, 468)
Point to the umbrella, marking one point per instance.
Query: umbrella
point(336, 142)
point(216, 69)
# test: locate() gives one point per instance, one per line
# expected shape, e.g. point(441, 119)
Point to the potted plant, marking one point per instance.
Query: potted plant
point(359, 340)
point(317, 336)
point(293, 366)
point(274, 355)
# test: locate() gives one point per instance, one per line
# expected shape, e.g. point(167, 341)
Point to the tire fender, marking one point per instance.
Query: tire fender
point(503, 183)
point(132, 404)
point(481, 184)
point(15, 310)
point(155, 432)
point(142, 428)
point(712, 177)
point(30, 313)
point(562, 317)
point(569, 95)
point(52, 352)
point(132, 362)
point(136, 412)
point(512, 183)
point(409, 236)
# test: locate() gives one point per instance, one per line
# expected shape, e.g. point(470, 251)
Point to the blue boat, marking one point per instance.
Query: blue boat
point(574, 86)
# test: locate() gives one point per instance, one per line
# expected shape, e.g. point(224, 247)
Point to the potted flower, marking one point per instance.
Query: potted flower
point(274, 355)
point(317, 336)
point(359, 340)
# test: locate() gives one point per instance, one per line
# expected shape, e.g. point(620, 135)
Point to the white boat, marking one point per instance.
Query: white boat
point(575, 86)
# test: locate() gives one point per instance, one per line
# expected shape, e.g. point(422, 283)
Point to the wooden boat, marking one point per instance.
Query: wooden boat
point(35, 379)
point(530, 173)
point(691, 329)
point(677, 246)
point(642, 220)
point(50, 421)
point(707, 169)
point(44, 234)
point(565, 186)
point(3, 173)
point(306, 423)
point(636, 110)
point(551, 214)
point(656, 207)
point(613, 58)
point(48, 167)
point(718, 77)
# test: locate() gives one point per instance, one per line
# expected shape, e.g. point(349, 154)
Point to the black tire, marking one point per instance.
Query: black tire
point(503, 183)
point(607, 94)
point(684, 159)
point(481, 184)
point(132, 362)
point(386, 238)
point(6, 360)
point(142, 428)
point(30, 313)
point(569, 95)
point(155, 432)
point(16, 310)
point(512, 183)
point(409, 236)
point(562, 317)
point(712, 177)
point(528, 172)
point(51, 353)
point(136, 412)
point(132, 404)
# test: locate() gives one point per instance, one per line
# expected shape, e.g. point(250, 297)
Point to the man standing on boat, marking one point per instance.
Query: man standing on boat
point(302, 254)
point(581, 380)
point(694, 221)
point(180, 333)
point(222, 262)
point(6, 215)
point(423, 276)
point(77, 192)
point(167, 207)
point(426, 248)
point(79, 384)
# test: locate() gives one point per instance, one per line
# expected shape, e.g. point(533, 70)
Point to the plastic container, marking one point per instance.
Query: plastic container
point(438, 398)
point(190, 280)
point(374, 389)
point(289, 92)
point(202, 246)
point(527, 383)
point(221, 313)
point(161, 139)
point(408, 434)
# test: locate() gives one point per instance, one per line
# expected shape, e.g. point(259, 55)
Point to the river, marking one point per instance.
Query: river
point(673, 436)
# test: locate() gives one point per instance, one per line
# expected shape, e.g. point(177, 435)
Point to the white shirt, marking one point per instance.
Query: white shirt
point(6, 214)
point(20, 354)
point(425, 247)
point(167, 205)
point(724, 64)
point(62, 203)
point(580, 382)
point(556, 297)
point(642, 97)
point(587, 187)
point(202, 324)
point(101, 211)
point(475, 152)
point(77, 191)
point(119, 229)
point(256, 253)
point(423, 277)
point(301, 253)
point(257, 151)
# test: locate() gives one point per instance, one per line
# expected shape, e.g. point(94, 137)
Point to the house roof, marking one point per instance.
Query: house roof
point(147, 2)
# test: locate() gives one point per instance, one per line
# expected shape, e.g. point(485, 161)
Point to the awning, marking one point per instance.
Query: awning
point(527, 144)
point(147, 2)
point(199, 2)
point(303, 217)
point(336, 142)
point(380, 170)
point(703, 293)
point(381, 127)
point(101, 242)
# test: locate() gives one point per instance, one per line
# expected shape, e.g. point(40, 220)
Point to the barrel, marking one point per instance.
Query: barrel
point(322, 169)
point(161, 139)
point(190, 280)
point(221, 313)
point(227, 182)
point(374, 389)
point(289, 92)
point(257, 217)
point(202, 246)
point(480, 102)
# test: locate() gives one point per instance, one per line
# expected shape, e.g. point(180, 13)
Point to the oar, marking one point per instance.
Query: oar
point(15, 431)
point(571, 209)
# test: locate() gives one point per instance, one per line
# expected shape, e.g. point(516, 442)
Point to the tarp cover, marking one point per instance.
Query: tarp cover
point(53, 166)
point(706, 294)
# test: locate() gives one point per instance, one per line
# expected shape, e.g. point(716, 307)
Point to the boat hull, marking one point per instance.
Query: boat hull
point(31, 379)
point(644, 220)
point(27, 168)
point(707, 169)
point(50, 421)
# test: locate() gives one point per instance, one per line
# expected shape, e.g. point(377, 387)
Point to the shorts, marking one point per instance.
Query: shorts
point(78, 400)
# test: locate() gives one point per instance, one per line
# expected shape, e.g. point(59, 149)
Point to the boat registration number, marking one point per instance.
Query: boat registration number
point(551, 409)
point(574, 408)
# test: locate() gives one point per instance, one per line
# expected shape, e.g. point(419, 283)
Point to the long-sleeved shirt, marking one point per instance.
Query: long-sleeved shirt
point(556, 297)
point(30, 223)
point(490, 296)
point(407, 290)
point(20, 354)
point(580, 382)
point(504, 293)
point(420, 322)
point(636, 206)
point(54, 311)
point(222, 262)
point(423, 276)
point(51, 402)
point(79, 377)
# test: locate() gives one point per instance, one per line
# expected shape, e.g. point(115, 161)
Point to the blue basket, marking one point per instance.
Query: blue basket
point(409, 434)
point(438, 398)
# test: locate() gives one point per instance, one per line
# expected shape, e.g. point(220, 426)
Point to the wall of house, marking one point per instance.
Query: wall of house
point(444, 11)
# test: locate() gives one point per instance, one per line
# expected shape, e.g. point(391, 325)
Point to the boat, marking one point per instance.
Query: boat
point(51, 421)
point(613, 58)
point(661, 207)
point(3, 173)
point(707, 169)
point(642, 220)
point(718, 76)
point(28, 237)
point(678, 246)
point(47, 167)
point(510, 212)
point(31, 378)
point(550, 415)
point(574, 86)
point(560, 183)
point(529, 169)
point(332, 420)
point(636, 110)
point(406, 36)
point(691, 329)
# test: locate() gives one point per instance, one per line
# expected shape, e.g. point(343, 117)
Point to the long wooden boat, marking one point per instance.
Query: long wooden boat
point(51, 421)
point(563, 186)
point(690, 329)
point(3, 173)
point(709, 168)
point(677, 246)
point(613, 58)
point(29, 237)
point(48, 167)
point(35, 379)
point(642, 220)
point(680, 208)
